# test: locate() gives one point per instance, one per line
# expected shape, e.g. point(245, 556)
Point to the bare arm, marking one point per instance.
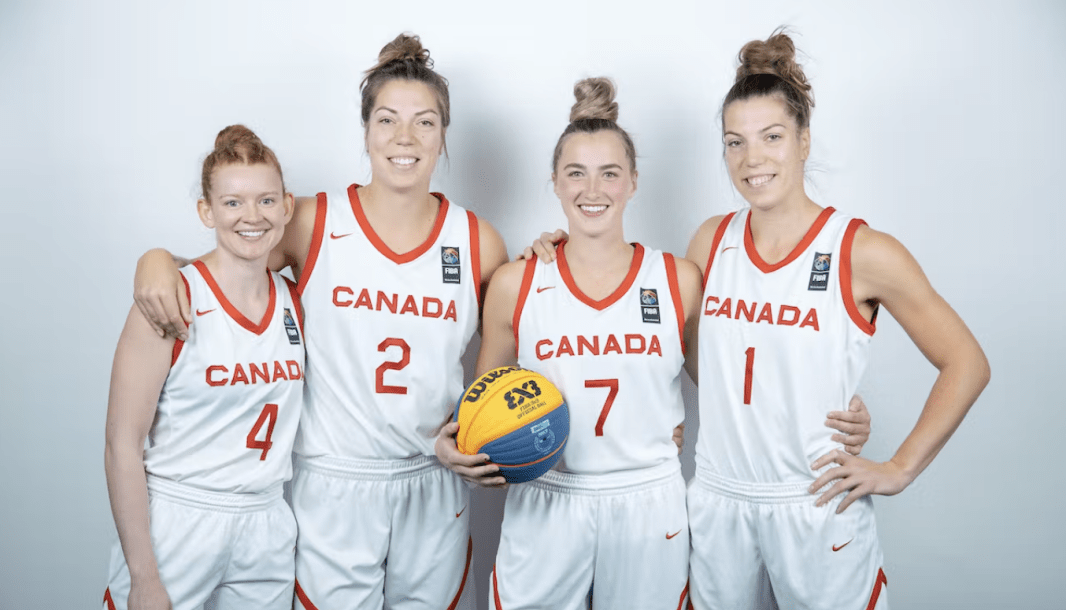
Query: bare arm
point(497, 349)
point(885, 273)
point(142, 361)
point(690, 283)
point(160, 294)
point(493, 254)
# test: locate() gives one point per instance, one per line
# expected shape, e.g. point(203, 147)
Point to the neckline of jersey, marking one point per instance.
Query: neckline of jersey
point(380, 245)
point(232, 311)
point(808, 237)
point(611, 299)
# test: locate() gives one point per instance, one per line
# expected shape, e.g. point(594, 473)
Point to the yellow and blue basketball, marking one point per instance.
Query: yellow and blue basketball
point(518, 418)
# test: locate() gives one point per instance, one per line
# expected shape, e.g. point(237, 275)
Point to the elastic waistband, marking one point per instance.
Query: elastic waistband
point(625, 481)
point(368, 470)
point(760, 493)
point(181, 493)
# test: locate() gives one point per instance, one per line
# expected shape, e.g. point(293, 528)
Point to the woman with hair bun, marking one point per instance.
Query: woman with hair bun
point(391, 276)
point(606, 325)
point(791, 296)
point(200, 513)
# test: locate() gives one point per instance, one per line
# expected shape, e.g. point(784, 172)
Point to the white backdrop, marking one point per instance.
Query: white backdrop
point(941, 123)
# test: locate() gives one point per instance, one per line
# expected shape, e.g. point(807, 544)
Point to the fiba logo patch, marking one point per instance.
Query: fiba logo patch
point(449, 263)
point(290, 328)
point(649, 305)
point(820, 271)
point(543, 437)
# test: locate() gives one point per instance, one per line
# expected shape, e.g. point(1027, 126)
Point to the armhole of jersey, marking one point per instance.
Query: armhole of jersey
point(845, 280)
point(316, 243)
point(178, 343)
point(295, 302)
point(523, 292)
point(475, 256)
point(675, 294)
point(718, 234)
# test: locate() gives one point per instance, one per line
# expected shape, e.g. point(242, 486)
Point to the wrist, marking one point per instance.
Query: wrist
point(907, 471)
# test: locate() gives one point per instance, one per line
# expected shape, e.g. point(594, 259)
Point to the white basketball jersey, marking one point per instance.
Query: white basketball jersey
point(386, 332)
point(780, 346)
point(228, 412)
point(616, 361)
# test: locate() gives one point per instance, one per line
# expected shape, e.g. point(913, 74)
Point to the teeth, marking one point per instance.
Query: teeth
point(250, 233)
point(759, 180)
point(403, 160)
point(593, 209)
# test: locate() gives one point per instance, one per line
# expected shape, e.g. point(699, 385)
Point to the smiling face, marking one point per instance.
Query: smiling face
point(248, 209)
point(765, 151)
point(404, 136)
point(593, 181)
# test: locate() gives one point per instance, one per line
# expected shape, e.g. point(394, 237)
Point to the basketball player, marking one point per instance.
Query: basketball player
point(391, 276)
point(200, 513)
point(790, 303)
point(605, 323)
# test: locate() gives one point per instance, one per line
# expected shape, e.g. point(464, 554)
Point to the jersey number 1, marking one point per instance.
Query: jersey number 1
point(749, 363)
point(269, 416)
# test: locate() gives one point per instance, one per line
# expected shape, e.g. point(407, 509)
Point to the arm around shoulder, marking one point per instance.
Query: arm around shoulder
point(498, 332)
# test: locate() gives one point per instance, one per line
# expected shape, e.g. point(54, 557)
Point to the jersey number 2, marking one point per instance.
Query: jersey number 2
point(612, 384)
point(269, 416)
point(405, 359)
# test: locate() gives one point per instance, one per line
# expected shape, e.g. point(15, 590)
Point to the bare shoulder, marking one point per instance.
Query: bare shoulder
point(508, 278)
point(689, 276)
point(493, 250)
point(882, 267)
point(296, 243)
point(700, 246)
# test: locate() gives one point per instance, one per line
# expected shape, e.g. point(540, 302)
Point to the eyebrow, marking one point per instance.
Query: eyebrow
point(419, 113)
point(764, 129)
point(264, 194)
point(602, 167)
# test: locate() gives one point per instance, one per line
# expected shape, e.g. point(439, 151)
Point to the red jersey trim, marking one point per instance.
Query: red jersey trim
point(178, 343)
point(466, 572)
point(237, 316)
point(496, 589)
point(302, 596)
point(882, 581)
point(718, 234)
point(294, 293)
point(406, 257)
point(523, 294)
point(868, 327)
point(107, 599)
point(761, 265)
point(475, 256)
point(316, 243)
point(684, 594)
point(627, 283)
point(675, 294)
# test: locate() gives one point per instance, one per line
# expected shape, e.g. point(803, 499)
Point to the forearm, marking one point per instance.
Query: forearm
point(956, 389)
point(127, 489)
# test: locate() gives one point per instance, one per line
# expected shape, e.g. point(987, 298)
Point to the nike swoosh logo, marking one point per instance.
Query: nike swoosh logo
point(202, 313)
point(543, 288)
point(837, 548)
point(669, 536)
point(334, 236)
point(729, 248)
point(460, 512)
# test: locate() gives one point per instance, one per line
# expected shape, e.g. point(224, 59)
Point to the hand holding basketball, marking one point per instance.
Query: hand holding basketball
point(474, 469)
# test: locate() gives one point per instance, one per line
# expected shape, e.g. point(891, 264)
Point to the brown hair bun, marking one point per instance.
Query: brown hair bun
point(595, 100)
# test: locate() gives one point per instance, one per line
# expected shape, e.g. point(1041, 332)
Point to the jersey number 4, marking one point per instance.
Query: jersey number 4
point(612, 385)
point(269, 416)
point(405, 359)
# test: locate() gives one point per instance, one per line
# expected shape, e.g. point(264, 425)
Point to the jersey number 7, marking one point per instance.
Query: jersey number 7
point(612, 385)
